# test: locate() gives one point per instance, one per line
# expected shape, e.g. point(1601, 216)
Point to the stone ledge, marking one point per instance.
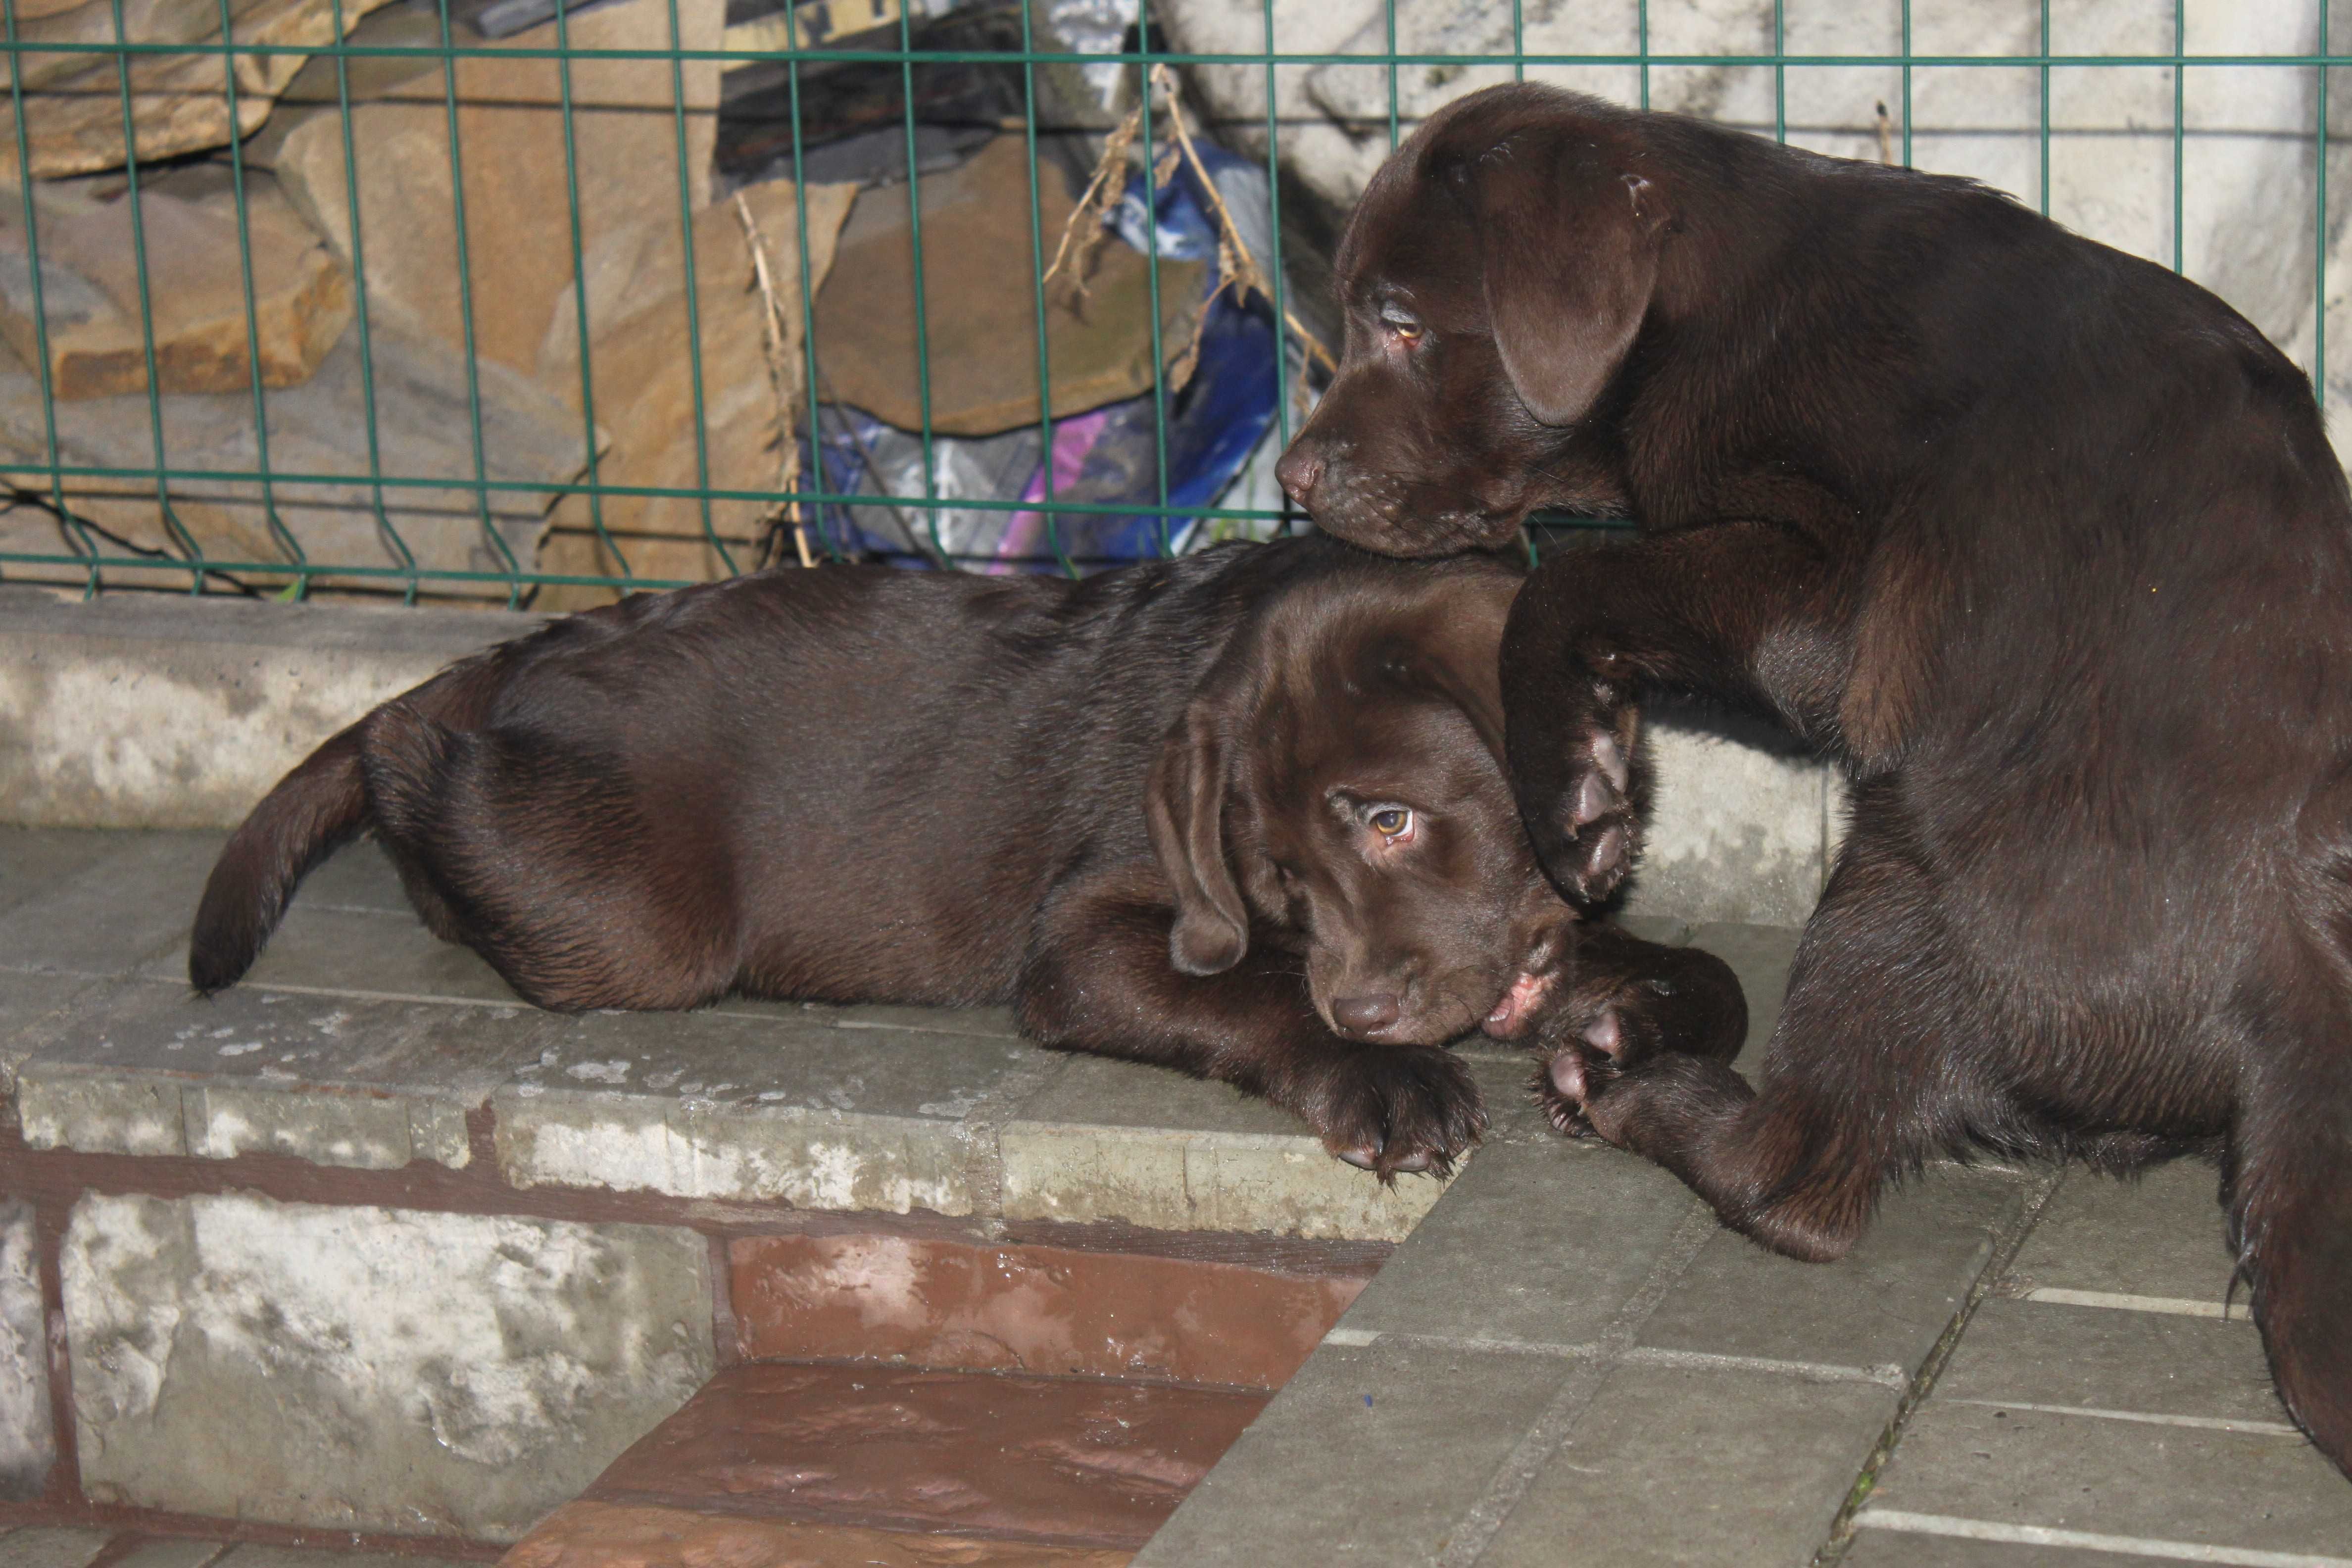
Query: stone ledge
point(798, 1113)
point(362, 1044)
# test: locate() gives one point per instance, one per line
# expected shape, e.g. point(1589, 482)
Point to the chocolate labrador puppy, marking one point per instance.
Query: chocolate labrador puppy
point(1243, 815)
point(2044, 543)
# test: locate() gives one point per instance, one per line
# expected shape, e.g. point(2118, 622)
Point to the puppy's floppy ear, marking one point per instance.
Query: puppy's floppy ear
point(1184, 807)
point(1568, 243)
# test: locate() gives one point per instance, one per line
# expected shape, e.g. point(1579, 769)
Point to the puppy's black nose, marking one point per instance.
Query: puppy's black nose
point(1364, 1014)
point(1298, 472)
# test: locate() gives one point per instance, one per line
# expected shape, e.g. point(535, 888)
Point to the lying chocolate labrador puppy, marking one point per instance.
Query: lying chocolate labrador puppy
point(1243, 815)
point(2042, 543)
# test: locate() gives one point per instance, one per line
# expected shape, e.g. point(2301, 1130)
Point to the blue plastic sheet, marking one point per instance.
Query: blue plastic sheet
point(1108, 455)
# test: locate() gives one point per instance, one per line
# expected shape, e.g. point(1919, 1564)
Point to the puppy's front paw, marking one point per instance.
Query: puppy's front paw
point(1582, 820)
point(1625, 1087)
point(1393, 1108)
point(1573, 1080)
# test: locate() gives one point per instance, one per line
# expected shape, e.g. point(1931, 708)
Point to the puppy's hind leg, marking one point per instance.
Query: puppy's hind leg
point(2287, 1187)
point(543, 860)
point(1856, 1085)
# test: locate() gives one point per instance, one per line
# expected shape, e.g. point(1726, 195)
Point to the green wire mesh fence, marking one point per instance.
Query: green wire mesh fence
point(524, 301)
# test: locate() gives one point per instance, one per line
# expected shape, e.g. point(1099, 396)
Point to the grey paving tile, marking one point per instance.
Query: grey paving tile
point(2169, 1483)
point(1760, 956)
point(1688, 1470)
point(1666, 931)
point(1540, 1243)
point(993, 1021)
point(1099, 1093)
point(353, 951)
point(358, 876)
point(710, 1105)
point(1368, 1456)
point(173, 1554)
point(2155, 1362)
point(115, 912)
point(34, 860)
point(2160, 1235)
point(333, 1080)
point(1880, 1548)
point(35, 1007)
point(1885, 1304)
point(996, 1021)
point(1107, 1140)
point(1504, 1076)
point(51, 1548)
point(308, 1557)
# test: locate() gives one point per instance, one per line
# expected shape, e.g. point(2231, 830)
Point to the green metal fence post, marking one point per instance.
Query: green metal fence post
point(693, 295)
point(284, 537)
point(449, 56)
point(360, 312)
point(1037, 265)
point(915, 239)
point(69, 526)
point(580, 286)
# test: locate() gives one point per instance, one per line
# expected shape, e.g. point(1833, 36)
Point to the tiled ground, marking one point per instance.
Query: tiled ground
point(1568, 1364)
point(1564, 1362)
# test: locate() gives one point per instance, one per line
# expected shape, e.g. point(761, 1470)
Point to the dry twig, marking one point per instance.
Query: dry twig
point(1087, 220)
point(788, 447)
point(1238, 270)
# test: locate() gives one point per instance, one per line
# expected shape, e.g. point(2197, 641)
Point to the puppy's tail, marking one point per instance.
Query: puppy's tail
point(2287, 1186)
point(313, 811)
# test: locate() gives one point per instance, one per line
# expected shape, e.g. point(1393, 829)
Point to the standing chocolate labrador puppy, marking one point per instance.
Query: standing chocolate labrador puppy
point(1243, 815)
point(2045, 544)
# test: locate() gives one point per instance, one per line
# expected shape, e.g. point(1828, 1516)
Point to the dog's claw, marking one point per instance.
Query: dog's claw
point(1403, 1110)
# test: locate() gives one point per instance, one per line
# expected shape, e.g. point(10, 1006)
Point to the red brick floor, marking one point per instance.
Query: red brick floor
point(915, 1404)
point(1027, 1309)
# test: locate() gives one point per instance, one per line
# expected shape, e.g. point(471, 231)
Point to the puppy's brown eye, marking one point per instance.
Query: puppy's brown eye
point(1392, 822)
point(1406, 332)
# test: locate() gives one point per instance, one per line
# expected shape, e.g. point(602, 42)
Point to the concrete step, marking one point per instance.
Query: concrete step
point(437, 1259)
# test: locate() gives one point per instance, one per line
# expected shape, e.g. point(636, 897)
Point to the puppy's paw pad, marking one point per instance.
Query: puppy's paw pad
point(1589, 847)
point(1605, 1034)
point(1610, 767)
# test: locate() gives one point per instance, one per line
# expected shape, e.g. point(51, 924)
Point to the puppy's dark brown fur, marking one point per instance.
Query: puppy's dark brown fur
point(1243, 815)
point(2043, 542)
